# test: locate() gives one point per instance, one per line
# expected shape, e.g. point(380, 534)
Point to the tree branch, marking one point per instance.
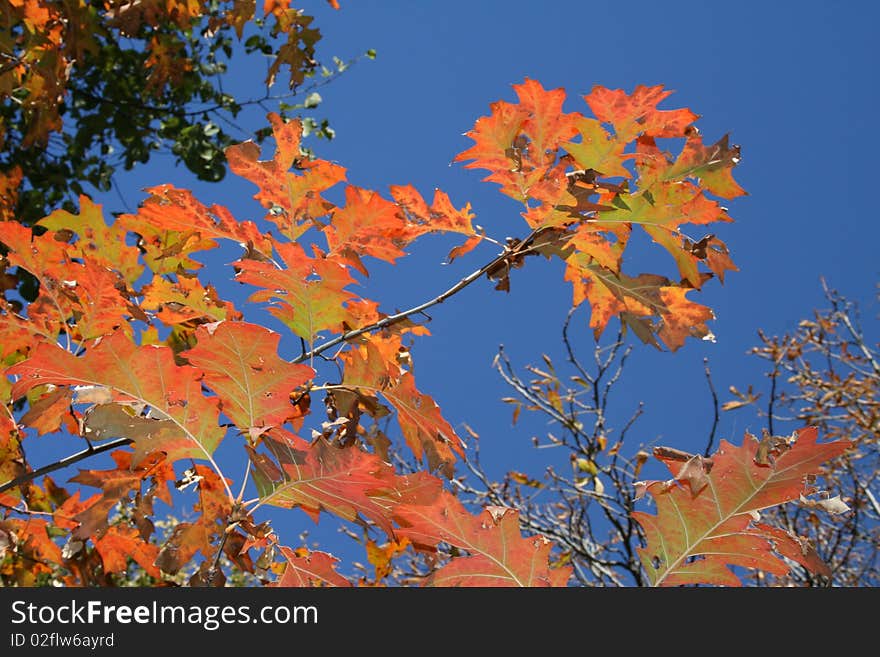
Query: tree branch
point(508, 253)
point(63, 463)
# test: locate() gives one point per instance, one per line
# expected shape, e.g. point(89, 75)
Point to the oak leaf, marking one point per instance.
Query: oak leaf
point(426, 431)
point(241, 366)
point(701, 530)
point(498, 554)
point(309, 568)
point(135, 375)
point(345, 481)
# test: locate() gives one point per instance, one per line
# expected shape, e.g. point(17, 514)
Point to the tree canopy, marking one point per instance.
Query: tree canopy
point(123, 334)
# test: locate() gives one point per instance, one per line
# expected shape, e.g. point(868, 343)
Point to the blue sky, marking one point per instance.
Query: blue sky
point(794, 83)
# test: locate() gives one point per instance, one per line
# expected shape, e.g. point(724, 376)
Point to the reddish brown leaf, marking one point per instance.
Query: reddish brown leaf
point(115, 485)
point(518, 143)
point(186, 539)
point(213, 512)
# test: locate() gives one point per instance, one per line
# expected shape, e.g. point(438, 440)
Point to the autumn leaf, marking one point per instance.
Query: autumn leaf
point(309, 568)
point(636, 113)
point(95, 301)
point(293, 200)
point(308, 295)
point(115, 484)
point(598, 150)
point(33, 546)
point(241, 365)
point(10, 182)
point(51, 412)
point(96, 241)
point(185, 301)
point(213, 510)
point(173, 225)
point(42, 256)
point(119, 544)
point(662, 213)
point(637, 301)
point(345, 481)
point(712, 165)
point(498, 554)
point(368, 225)
point(12, 463)
point(426, 431)
point(517, 144)
point(135, 375)
point(700, 531)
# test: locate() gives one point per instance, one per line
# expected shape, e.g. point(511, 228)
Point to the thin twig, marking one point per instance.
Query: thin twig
point(440, 298)
point(714, 407)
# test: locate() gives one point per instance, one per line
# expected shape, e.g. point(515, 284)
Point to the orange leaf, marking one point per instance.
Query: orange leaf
point(632, 114)
point(146, 375)
point(293, 200)
point(102, 244)
point(425, 429)
point(173, 225)
point(345, 481)
point(305, 568)
point(498, 555)
point(309, 295)
point(119, 544)
point(241, 365)
point(697, 534)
